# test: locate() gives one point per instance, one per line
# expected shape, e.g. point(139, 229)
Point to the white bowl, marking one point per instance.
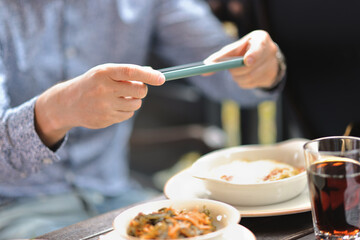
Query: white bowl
point(253, 194)
point(224, 215)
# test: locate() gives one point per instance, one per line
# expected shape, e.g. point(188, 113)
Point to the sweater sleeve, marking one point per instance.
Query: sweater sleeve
point(21, 150)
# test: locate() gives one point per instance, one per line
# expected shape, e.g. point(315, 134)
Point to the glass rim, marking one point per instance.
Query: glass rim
point(317, 140)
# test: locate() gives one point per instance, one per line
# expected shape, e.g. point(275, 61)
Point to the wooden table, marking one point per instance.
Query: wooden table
point(286, 227)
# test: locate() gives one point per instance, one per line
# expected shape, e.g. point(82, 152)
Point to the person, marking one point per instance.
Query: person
point(72, 76)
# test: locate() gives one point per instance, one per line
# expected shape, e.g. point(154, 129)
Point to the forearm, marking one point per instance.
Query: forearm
point(48, 119)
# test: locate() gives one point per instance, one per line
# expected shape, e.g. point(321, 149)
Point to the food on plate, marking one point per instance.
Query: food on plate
point(169, 223)
point(247, 172)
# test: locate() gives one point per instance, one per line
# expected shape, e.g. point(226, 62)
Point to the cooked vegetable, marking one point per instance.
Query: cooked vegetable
point(243, 171)
point(168, 223)
point(281, 173)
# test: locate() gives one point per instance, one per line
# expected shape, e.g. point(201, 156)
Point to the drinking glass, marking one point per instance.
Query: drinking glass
point(333, 171)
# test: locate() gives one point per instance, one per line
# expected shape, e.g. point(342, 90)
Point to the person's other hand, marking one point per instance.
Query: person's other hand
point(104, 95)
point(261, 64)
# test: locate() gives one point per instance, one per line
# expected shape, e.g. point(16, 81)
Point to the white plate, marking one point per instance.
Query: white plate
point(239, 231)
point(183, 185)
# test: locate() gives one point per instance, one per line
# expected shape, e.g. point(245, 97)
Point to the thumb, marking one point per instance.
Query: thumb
point(254, 50)
point(235, 49)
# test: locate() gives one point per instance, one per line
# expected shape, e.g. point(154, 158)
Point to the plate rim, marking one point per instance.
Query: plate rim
point(237, 228)
point(246, 213)
point(240, 227)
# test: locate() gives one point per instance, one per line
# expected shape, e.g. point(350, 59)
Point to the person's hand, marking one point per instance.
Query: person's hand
point(261, 64)
point(104, 95)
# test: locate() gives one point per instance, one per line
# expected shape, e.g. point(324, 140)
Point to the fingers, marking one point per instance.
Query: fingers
point(129, 89)
point(108, 119)
point(123, 104)
point(260, 48)
point(124, 108)
point(253, 46)
point(259, 52)
point(234, 49)
point(130, 72)
point(255, 76)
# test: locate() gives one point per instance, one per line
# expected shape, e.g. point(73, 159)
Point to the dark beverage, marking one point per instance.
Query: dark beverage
point(335, 189)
